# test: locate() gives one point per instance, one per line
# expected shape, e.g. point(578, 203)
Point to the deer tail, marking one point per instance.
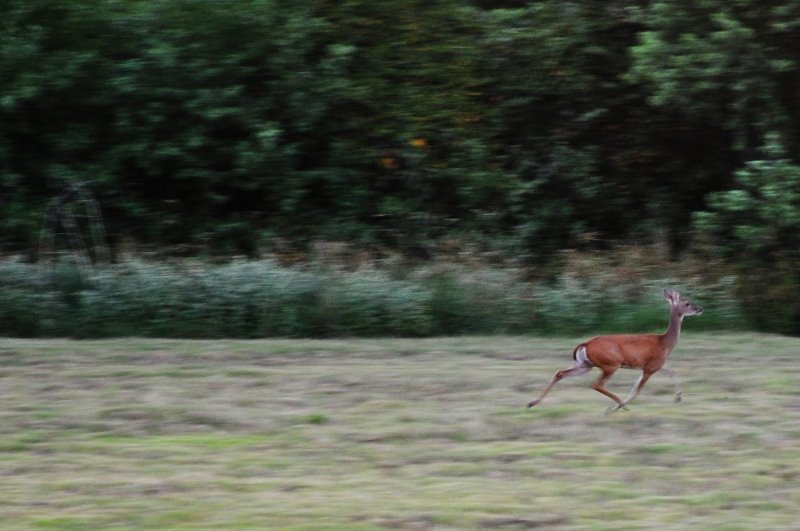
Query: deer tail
point(581, 356)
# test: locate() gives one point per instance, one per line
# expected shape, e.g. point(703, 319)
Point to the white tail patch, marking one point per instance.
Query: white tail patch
point(581, 356)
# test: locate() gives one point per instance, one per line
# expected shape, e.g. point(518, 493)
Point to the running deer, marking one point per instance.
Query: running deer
point(647, 352)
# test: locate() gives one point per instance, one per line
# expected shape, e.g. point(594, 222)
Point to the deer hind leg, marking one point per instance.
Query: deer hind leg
point(578, 368)
point(599, 386)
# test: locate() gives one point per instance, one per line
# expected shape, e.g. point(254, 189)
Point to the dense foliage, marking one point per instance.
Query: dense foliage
point(260, 298)
point(528, 127)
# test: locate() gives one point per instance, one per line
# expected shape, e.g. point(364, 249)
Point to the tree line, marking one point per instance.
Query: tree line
point(525, 126)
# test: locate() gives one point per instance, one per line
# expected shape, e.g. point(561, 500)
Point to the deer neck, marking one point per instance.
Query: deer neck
point(670, 337)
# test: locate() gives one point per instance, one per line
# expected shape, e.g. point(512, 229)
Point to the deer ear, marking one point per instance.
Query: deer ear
point(671, 296)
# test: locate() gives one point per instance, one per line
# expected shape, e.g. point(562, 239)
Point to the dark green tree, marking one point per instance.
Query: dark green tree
point(729, 63)
point(756, 225)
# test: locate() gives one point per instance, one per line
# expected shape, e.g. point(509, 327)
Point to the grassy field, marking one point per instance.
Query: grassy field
point(404, 434)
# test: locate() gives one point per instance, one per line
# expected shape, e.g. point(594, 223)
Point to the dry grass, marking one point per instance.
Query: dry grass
point(407, 434)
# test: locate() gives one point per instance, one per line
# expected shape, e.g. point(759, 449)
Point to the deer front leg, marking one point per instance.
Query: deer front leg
point(676, 382)
point(636, 389)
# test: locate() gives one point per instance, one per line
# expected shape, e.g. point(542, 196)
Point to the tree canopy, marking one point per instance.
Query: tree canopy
point(534, 125)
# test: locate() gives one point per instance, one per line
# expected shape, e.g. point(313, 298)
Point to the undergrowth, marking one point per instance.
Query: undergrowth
point(250, 299)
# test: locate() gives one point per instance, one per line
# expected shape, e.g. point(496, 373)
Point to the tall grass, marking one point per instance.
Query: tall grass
point(249, 299)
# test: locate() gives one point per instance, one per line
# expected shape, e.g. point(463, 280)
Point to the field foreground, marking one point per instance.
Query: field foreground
point(406, 434)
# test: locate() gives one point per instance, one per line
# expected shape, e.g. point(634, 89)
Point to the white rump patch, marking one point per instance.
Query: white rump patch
point(582, 357)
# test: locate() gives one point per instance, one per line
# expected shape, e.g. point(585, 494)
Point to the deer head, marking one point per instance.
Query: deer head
point(682, 307)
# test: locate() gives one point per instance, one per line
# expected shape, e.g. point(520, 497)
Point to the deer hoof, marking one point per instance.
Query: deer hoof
point(678, 398)
point(533, 403)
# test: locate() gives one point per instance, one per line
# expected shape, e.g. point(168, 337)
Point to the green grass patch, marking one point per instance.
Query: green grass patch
point(317, 419)
point(208, 441)
point(392, 433)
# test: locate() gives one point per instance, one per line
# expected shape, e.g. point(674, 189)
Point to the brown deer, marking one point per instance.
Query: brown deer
point(647, 352)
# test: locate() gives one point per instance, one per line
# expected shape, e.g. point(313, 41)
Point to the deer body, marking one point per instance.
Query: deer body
point(646, 352)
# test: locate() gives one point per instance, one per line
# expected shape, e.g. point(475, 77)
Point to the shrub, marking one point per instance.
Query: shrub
point(34, 302)
point(370, 303)
point(250, 299)
point(477, 301)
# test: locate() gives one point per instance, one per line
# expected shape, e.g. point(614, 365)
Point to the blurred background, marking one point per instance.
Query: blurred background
point(254, 168)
